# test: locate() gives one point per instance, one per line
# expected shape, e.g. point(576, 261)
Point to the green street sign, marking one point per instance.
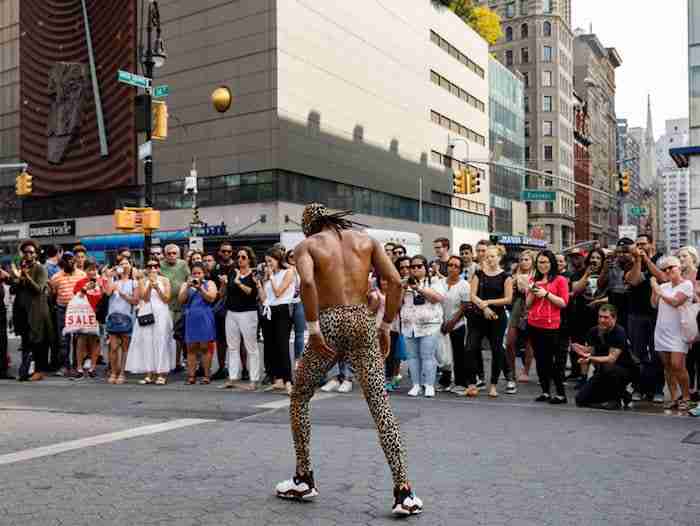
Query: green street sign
point(161, 91)
point(133, 79)
point(639, 211)
point(538, 195)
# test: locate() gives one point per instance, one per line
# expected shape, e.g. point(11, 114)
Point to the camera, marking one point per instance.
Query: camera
point(195, 282)
point(419, 299)
point(119, 270)
point(412, 280)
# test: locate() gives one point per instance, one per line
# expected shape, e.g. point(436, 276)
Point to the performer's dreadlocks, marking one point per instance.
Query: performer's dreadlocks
point(316, 217)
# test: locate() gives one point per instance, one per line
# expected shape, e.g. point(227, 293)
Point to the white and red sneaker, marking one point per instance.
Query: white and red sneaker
point(298, 488)
point(406, 503)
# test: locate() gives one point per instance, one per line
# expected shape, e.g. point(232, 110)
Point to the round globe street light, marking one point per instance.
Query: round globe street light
point(222, 98)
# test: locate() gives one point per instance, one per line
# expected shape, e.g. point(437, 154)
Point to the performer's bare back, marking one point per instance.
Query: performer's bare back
point(342, 261)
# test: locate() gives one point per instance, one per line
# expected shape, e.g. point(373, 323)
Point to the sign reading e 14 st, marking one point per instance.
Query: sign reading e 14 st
point(133, 79)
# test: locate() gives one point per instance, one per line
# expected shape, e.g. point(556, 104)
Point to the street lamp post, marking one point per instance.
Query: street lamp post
point(153, 57)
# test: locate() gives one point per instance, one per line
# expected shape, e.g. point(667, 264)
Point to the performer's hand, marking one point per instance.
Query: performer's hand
point(318, 344)
point(384, 342)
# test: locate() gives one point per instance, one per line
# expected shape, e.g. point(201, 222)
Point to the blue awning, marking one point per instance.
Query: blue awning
point(131, 241)
point(682, 155)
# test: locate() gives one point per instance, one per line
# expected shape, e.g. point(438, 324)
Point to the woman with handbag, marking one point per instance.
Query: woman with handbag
point(547, 297)
point(668, 339)
point(277, 294)
point(121, 289)
point(88, 344)
point(197, 296)
point(492, 290)
point(517, 323)
point(152, 349)
point(421, 319)
point(453, 305)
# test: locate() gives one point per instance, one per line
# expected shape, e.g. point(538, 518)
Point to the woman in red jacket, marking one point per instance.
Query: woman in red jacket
point(547, 297)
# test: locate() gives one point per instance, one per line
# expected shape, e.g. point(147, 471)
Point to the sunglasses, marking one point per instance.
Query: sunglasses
point(242, 256)
point(417, 266)
point(404, 267)
point(171, 253)
point(453, 265)
point(29, 252)
point(669, 268)
point(222, 251)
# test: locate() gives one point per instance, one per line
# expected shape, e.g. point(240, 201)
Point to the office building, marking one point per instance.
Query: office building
point(582, 169)
point(507, 141)
point(594, 74)
point(676, 184)
point(538, 43)
point(629, 157)
point(352, 104)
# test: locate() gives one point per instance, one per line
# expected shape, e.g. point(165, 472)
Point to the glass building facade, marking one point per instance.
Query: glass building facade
point(507, 136)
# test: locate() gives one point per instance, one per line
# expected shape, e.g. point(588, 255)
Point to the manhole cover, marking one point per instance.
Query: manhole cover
point(692, 438)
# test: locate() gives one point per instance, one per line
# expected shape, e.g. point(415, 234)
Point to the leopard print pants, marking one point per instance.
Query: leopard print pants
point(350, 331)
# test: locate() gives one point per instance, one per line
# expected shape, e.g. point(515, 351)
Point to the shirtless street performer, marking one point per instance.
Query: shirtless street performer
point(334, 262)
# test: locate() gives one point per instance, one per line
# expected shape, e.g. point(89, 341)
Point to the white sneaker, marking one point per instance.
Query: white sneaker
point(331, 386)
point(415, 390)
point(429, 391)
point(406, 503)
point(345, 387)
point(300, 488)
point(511, 388)
point(658, 399)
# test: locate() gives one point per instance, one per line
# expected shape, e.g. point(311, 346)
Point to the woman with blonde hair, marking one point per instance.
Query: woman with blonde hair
point(688, 257)
point(517, 323)
point(668, 339)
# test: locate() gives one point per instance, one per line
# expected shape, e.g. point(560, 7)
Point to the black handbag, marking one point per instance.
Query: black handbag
point(471, 310)
point(146, 319)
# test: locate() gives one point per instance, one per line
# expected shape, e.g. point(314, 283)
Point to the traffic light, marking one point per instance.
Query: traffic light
point(459, 181)
point(160, 120)
point(151, 220)
point(124, 220)
point(625, 187)
point(474, 181)
point(23, 184)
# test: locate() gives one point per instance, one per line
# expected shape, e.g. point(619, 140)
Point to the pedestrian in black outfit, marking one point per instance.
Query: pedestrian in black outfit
point(31, 312)
point(547, 297)
point(607, 348)
point(224, 267)
point(491, 290)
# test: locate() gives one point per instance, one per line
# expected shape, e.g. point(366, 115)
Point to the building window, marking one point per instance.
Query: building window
point(549, 181)
point(455, 53)
point(547, 79)
point(547, 128)
point(547, 54)
point(548, 152)
point(509, 34)
point(510, 10)
point(526, 104)
point(547, 29)
point(524, 7)
point(524, 31)
point(526, 79)
point(509, 57)
point(547, 6)
point(525, 55)
point(527, 153)
point(455, 90)
point(549, 207)
point(547, 103)
point(527, 128)
point(462, 130)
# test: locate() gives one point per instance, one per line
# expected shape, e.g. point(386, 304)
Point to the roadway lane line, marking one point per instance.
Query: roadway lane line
point(71, 445)
point(284, 402)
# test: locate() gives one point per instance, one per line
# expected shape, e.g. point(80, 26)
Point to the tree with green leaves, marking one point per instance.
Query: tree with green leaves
point(484, 21)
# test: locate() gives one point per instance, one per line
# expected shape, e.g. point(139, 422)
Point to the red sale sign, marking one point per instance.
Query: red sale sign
point(80, 317)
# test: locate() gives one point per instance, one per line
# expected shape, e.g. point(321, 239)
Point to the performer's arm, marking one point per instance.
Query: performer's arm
point(386, 269)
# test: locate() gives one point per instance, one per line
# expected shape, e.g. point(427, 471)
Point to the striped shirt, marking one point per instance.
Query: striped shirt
point(63, 285)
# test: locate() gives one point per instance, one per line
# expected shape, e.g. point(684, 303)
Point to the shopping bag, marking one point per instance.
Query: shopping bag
point(401, 354)
point(689, 325)
point(80, 317)
point(444, 351)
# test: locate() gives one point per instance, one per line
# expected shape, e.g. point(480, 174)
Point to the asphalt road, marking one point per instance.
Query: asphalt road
point(86, 452)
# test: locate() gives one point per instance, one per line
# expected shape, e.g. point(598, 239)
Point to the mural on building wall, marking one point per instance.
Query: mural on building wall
point(59, 134)
point(67, 87)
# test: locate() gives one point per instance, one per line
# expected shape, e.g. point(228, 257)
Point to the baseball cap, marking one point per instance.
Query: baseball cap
point(625, 241)
point(68, 254)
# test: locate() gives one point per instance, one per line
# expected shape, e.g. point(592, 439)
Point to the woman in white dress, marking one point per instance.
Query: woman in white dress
point(668, 339)
point(152, 349)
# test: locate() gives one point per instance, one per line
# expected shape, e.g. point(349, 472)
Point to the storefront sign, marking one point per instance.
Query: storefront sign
point(521, 240)
point(52, 229)
point(12, 232)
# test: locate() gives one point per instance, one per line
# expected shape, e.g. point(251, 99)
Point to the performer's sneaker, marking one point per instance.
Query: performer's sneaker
point(298, 487)
point(406, 503)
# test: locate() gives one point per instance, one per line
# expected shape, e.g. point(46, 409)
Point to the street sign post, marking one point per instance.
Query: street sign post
point(133, 79)
point(538, 195)
point(639, 211)
point(160, 92)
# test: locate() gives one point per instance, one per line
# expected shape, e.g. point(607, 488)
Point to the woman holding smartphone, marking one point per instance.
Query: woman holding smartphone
point(547, 297)
point(121, 289)
point(152, 349)
point(197, 295)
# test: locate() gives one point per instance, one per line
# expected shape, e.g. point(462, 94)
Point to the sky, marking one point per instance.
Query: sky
point(652, 39)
